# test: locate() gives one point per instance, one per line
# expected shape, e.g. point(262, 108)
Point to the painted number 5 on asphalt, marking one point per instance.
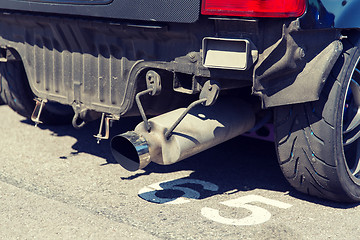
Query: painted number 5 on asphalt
point(258, 214)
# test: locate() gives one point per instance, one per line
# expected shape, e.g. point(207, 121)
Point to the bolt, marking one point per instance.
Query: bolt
point(301, 53)
point(192, 56)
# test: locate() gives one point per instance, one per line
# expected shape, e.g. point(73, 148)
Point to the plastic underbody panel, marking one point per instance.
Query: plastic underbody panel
point(101, 65)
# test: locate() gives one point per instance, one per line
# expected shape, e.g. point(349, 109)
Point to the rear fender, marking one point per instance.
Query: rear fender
point(331, 14)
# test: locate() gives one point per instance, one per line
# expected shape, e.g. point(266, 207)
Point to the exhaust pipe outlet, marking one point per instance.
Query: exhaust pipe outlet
point(131, 150)
point(201, 129)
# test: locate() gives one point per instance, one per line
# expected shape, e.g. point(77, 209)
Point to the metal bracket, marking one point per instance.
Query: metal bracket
point(153, 83)
point(208, 96)
point(210, 91)
point(107, 120)
point(8, 54)
point(185, 83)
point(39, 105)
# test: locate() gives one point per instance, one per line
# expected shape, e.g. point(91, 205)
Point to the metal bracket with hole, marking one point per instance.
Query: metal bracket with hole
point(208, 96)
point(153, 83)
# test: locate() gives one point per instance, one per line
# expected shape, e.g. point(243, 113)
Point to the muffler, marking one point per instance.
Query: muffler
point(201, 129)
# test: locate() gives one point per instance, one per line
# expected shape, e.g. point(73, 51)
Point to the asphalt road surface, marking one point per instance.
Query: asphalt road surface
point(58, 183)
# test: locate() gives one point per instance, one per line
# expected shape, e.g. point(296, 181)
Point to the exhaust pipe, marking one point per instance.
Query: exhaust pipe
point(201, 129)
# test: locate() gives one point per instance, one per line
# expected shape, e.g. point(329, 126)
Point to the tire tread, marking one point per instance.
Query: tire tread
point(306, 133)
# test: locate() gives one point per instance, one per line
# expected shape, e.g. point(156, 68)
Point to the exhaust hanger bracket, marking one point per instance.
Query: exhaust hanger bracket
point(153, 83)
point(208, 96)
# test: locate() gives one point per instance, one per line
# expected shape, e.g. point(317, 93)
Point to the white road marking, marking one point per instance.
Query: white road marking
point(258, 214)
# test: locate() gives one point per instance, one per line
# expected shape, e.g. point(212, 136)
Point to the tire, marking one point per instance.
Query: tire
point(313, 139)
point(16, 93)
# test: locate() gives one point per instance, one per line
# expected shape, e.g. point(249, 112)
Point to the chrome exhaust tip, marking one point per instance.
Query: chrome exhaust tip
point(130, 150)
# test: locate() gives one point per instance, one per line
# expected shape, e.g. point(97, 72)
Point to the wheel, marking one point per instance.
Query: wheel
point(317, 143)
point(16, 93)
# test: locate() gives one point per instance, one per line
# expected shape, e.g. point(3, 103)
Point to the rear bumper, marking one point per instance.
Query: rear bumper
point(101, 65)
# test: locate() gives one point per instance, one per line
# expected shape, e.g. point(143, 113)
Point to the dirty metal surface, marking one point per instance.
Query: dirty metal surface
point(57, 182)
